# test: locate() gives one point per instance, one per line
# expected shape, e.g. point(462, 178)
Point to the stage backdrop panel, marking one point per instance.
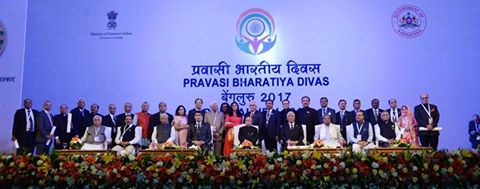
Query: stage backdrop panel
point(12, 41)
point(175, 51)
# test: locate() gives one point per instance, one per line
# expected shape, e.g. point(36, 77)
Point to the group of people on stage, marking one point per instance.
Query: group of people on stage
point(214, 129)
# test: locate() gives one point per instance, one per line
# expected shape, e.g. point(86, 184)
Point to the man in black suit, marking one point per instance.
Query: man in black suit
point(325, 110)
point(307, 116)
point(155, 118)
point(63, 132)
point(110, 120)
point(373, 114)
point(257, 116)
point(291, 133)
point(23, 130)
point(394, 112)
point(127, 108)
point(94, 108)
point(286, 109)
point(342, 117)
point(80, 117)
point(357, 107)
point(474, 131)
point(44, 126)
point(270, 128)
point(199, 132)
point(248, 134)
point(198, 107)
point(427, 116)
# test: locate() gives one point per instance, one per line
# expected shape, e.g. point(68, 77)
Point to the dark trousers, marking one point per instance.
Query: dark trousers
point(270, 144)
point(42, 148)
point(429, 141)
point(26, 144)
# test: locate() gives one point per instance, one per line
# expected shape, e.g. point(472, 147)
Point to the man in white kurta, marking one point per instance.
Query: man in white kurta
point(329, 134)
point(97, 136)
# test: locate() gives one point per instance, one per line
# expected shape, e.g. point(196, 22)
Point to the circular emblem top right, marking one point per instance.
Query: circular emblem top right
point(409, 21)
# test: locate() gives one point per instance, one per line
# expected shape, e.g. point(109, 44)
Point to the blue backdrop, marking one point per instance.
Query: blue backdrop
point(147, 53)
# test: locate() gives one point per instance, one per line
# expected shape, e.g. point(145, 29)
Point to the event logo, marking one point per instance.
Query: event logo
point(3, 38)
point(409, 21)
point(112, 17)
point(255, 31)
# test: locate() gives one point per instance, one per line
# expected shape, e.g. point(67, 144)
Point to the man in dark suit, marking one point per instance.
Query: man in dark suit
point(394, 112)
point(270, 128)
point(23, 130)
point(257, 117)
point(357, 107)
point(44, 125)
point(110, 120)
point(127, 108)
point(307, 116)
point(291, 133)
point(198, 107)
point(199, 132)
point(474, 131)
point(325, 110)
point(427, 116)
point(286, 109)
point(94, 108)
point(373, 114)
point(80, 118)
point(63, 132)
point(155, 118)
point(248, 134)
point(342, 117)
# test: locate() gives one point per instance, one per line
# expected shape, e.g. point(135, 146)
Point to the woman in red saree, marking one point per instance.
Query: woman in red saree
point(233, 118)
point(408, 126)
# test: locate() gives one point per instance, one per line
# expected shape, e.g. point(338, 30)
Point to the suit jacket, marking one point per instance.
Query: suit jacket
point(108, 122)
point(472, 127)
point(399, 113)
point(347, 120)
point(191, 115)
point(89, 120)
point(422, 118)
point(79, 121)
point(296, 134)
point(272, 129)
point(155, 120)
point(43, 126)
point(121, 119)
point(250, 133)
point(309, 117)
point(205, 134)
point(20, 123)
point(283, 115)
point(353, 114)
point(328, 111)
point(370, 116)
point(258, 118)
point(218, 121)
point(61, 121)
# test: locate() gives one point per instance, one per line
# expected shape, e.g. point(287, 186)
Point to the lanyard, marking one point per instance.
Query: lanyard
point(360, 129)
point(427, 110)
point(125, 131)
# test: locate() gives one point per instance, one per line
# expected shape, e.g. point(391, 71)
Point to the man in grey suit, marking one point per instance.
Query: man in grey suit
point(44, 126)
point(216, 119)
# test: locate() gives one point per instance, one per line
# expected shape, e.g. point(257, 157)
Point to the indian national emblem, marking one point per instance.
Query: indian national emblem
point(112, 17)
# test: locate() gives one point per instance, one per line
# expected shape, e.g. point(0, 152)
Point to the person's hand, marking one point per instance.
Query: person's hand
point(124, 143)
point(363, 143)
point(391, 141)
point(342, 143)
point(48, 137)
point(216, 134)
point(57, 141)
point(429, 127)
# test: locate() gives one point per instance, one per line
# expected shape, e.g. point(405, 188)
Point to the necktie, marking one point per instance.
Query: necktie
point(50, 119)
point(31, 121)
point(251, 115)
point(376, 114)
point(323, 112)
point(114, 119)
point(82, 112)
point(341, 116)
point(291, 126)
point(394, 115)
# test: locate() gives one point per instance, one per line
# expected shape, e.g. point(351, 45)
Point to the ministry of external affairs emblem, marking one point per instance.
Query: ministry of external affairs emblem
point(112, 17)
point(3, 38)
point(409, 21)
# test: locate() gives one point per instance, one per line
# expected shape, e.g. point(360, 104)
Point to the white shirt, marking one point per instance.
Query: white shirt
point(173, 134)
point(29, 125)
point(328, 134)
point(136, 139)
